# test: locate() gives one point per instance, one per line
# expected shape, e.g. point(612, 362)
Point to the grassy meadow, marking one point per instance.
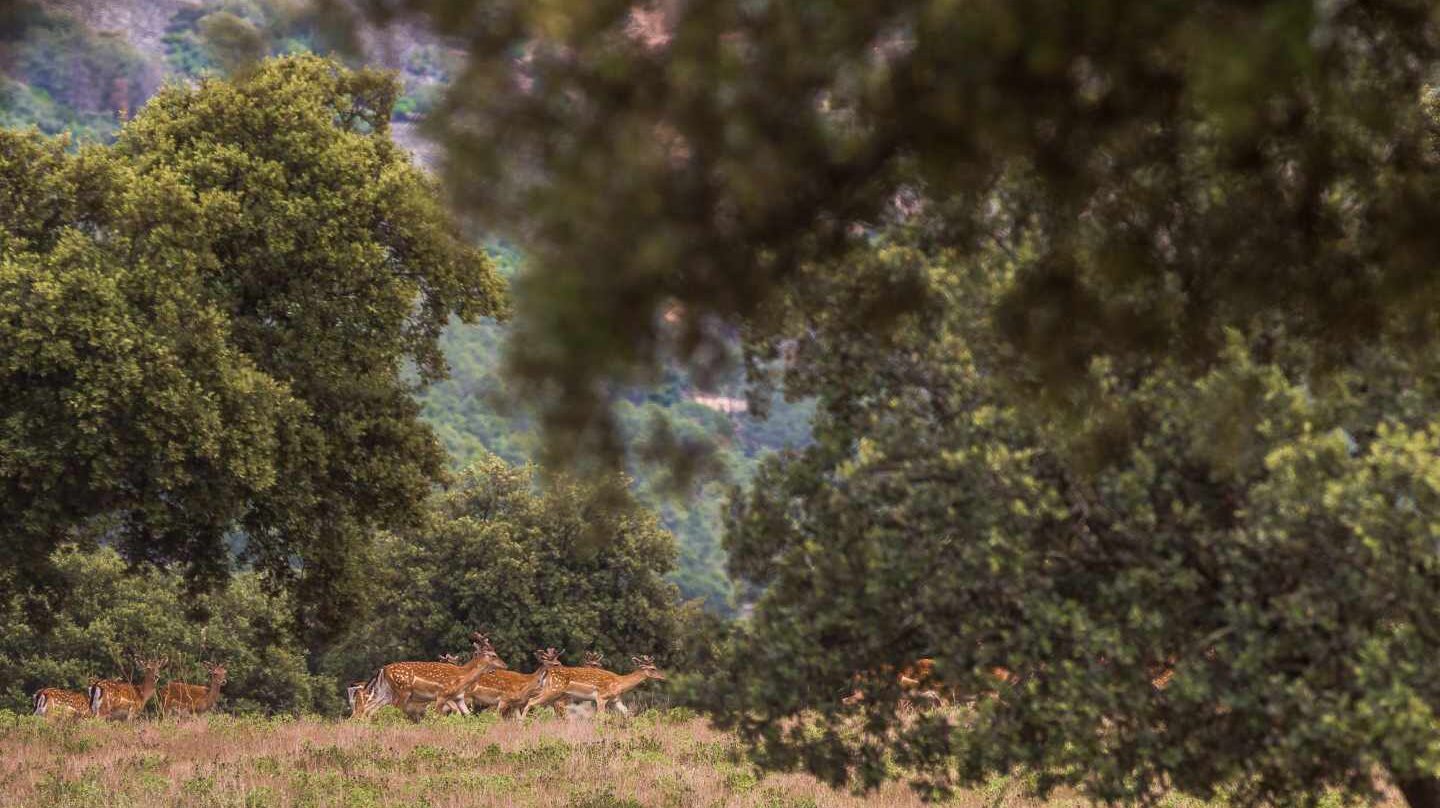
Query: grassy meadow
point(660, 758)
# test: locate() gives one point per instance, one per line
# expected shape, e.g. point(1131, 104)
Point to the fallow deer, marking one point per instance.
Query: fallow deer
point(408, 684)
point(122, 701)
point(917, 680)
point(179, 698)
point(53, 701)
point(508, 691)
point(356, 695)
point(594, 684)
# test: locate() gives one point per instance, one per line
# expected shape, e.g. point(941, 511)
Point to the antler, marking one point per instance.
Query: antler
point(451, 658)
point(643, 661)
point(594, 658)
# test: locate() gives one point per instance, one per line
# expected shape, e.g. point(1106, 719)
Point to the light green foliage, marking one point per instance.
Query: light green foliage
point(574, 566)
point(109, 612)
point(205, 327)
point(1265, 531)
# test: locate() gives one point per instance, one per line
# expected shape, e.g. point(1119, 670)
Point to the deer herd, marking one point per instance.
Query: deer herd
point(450, 684)
point(486, 681)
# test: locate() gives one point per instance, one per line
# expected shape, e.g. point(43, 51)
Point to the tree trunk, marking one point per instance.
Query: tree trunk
point(1421, 792)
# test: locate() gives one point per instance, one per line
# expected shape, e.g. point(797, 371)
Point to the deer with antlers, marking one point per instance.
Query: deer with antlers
point(53, 701)
point(407, 685)
point(122, 701)
point(186, 699)
point(508, 691)
point(594, 684)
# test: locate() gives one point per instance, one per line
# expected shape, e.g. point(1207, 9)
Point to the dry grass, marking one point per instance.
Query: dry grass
point(656, 760)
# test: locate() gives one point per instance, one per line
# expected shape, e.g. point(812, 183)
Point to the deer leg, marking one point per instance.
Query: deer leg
point(547, 697)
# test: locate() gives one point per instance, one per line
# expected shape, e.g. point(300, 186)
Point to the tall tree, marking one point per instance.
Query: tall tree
point(1263, 532)
point(214, 328)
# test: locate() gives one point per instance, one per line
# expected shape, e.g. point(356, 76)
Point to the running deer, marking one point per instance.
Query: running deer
point(594, 684)
point(411, 685)
point(508, 691)
point(185, 699)
point(122, 701)
point(53, 701)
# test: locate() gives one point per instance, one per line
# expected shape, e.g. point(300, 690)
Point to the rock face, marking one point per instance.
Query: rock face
point(142, 22)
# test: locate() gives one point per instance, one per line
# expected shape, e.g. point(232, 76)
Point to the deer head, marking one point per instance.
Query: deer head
point(594, 659)
point(646, 665)
point(549, 657)
point(216, 671)
point(485, 651)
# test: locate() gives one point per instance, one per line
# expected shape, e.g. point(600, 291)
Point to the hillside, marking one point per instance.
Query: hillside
point(82, 66)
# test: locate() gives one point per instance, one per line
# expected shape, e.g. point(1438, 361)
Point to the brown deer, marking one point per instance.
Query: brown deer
point(122, 701)
point(53, 701)
point(407, 685)
point(917, 680)
point(508, 691)
point(594, 684)
point(185, 699)
point(356, 695)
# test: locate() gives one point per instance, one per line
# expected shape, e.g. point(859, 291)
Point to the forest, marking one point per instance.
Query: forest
point(917, 396)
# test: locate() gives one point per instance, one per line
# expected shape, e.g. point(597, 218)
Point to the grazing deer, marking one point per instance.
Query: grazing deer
point(356, 695)
point(508, 691)
point(594, 684)
point(53, 701)
point(122, 701)
point(407, 684)
point(184, 699)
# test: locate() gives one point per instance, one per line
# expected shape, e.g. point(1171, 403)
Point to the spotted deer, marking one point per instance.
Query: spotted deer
point(179, 698)
point(412, 685)
point(594, 684)
point(122, 701)
point(508, 691)
point(356, 695)
point(53, 701)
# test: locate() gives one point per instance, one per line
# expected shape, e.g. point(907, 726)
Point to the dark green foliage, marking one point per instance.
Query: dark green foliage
point(575, 566)
point(109, 613)
point(205, 327)
point(1184, 166)
point(1263, 531)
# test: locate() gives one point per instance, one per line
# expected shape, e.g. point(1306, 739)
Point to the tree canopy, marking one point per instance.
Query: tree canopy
point(1265, 534)
point(1183, 168)
point(212, 329)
